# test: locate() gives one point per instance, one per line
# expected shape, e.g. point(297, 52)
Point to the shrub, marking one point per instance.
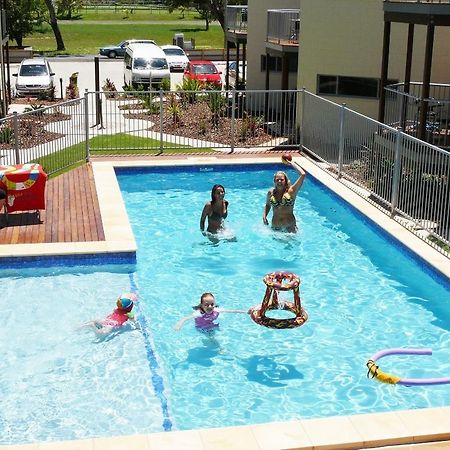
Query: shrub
point(165, 85)
point(109, 88)
point(6, 135)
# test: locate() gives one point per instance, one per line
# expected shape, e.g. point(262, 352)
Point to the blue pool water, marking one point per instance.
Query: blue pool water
point(362, 292)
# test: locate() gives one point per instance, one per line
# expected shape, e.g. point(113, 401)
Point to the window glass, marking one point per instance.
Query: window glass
point(140, 63)
point(158, 63)
point(33, 70)
point(357, 86)
point(327, 84)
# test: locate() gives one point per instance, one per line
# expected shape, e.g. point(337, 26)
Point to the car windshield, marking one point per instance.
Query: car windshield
point(33, 70)
point(174, 51)
point(204, 68)
point(159, 63)
point(141, 63)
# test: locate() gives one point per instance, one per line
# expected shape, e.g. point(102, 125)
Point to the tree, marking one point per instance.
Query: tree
point(208, 9)
point(68, 9)
point(22, 16)
point(54, 24)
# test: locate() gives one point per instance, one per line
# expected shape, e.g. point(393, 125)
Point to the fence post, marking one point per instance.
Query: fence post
point(161, 120)
point(302, 118)
point(16, 137)
point(86, 124)
point(233, 118)
point(341, 139)
point(396, 172)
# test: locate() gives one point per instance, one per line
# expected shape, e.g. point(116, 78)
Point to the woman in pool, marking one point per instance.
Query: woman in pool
point(216, 210)
point(206, 314)
point(282, 198)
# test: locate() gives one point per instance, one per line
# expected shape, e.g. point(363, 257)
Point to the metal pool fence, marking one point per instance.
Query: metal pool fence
point(407, 178)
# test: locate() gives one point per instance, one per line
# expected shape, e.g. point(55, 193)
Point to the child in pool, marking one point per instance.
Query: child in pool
point(116, 319)
point(206, 314)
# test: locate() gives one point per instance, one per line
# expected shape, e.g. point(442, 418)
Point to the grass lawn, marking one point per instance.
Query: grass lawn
point(86, 38)
point(120, 143)
point(153, 14)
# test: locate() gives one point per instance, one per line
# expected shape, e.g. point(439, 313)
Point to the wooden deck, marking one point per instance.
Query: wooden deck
point(72, 213)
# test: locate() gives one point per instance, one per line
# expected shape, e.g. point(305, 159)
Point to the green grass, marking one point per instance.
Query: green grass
point(150, 14)
point(120, 143)
point(86, 38)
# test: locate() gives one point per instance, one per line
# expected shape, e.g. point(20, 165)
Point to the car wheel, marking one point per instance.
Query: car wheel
point(112, 54)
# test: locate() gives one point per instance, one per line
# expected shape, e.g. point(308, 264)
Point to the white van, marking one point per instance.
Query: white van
point(146, 65)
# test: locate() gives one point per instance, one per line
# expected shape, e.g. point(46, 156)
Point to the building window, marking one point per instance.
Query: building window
point(349, 86)
point(275, 63)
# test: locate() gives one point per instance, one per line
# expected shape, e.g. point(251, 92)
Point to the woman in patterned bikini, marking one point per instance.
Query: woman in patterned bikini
point(281, 198)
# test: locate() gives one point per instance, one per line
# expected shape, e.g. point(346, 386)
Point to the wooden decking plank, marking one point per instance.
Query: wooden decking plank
point(90, 208)
point(72, 206)
point(47, 214)
point(98, 218)
point(62, 202)
point(84, 209)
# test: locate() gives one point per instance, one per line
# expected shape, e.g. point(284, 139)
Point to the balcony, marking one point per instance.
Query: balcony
point(236, 23)
point(283, 28)
point(421, 12)
point(402, 109)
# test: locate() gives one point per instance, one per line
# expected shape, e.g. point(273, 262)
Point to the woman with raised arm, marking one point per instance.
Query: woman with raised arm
point(281, 198)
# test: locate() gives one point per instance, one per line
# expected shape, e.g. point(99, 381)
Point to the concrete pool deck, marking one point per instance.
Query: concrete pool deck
point(403, 429)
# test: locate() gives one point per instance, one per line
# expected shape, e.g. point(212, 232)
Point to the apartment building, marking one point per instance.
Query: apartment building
point(340, 47)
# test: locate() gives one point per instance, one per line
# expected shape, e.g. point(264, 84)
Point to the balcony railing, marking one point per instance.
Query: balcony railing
point(236, 18)
point(418, 1)
point(403, 110)
point(283, 26)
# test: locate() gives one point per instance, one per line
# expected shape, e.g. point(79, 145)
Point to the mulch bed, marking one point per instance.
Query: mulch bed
point(196, 121)
point(32, 130)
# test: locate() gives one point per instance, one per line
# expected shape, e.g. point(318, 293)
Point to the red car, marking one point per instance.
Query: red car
point(205, 72)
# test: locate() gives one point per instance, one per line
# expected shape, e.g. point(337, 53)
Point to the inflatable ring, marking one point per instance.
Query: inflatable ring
point(275, 281)
point(261, 319)
point(375, 371)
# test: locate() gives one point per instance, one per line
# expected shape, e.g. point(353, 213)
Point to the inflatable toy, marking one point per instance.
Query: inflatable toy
point(275, 282)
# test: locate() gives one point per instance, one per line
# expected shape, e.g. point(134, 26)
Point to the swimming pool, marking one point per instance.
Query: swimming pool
point(361, 292)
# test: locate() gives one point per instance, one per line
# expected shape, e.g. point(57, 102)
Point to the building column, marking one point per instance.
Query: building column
point(384, 70)
point(407, 81)
point(426, 81)
point(227, 70)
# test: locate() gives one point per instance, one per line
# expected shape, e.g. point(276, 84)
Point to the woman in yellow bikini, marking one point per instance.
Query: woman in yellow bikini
point(281, 199)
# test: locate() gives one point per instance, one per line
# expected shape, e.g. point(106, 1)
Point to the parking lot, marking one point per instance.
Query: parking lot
point(63, 67)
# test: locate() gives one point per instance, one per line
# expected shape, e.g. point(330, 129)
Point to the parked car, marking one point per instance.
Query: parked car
point(112, 51)
point(232, 74)
point(176, 57)
point(34, 78)
point(205, 72)
point(145, 65)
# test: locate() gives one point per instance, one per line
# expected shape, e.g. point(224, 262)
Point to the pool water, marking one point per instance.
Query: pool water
point(362, 293)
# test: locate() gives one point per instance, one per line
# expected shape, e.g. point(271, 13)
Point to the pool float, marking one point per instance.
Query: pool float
point(375, 371)
point(280, 281)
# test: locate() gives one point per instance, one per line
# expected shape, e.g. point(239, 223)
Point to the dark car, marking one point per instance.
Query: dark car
point(112, 51)
point(205, 72)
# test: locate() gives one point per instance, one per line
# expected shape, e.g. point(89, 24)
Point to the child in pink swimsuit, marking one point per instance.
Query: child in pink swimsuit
point(206, 314)
point(118, 317)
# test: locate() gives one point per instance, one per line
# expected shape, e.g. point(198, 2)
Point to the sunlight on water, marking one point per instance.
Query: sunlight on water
point(362, 294)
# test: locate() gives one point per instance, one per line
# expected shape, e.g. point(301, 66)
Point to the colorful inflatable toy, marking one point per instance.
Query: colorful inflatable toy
point(375, 371)
point(280, 281)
